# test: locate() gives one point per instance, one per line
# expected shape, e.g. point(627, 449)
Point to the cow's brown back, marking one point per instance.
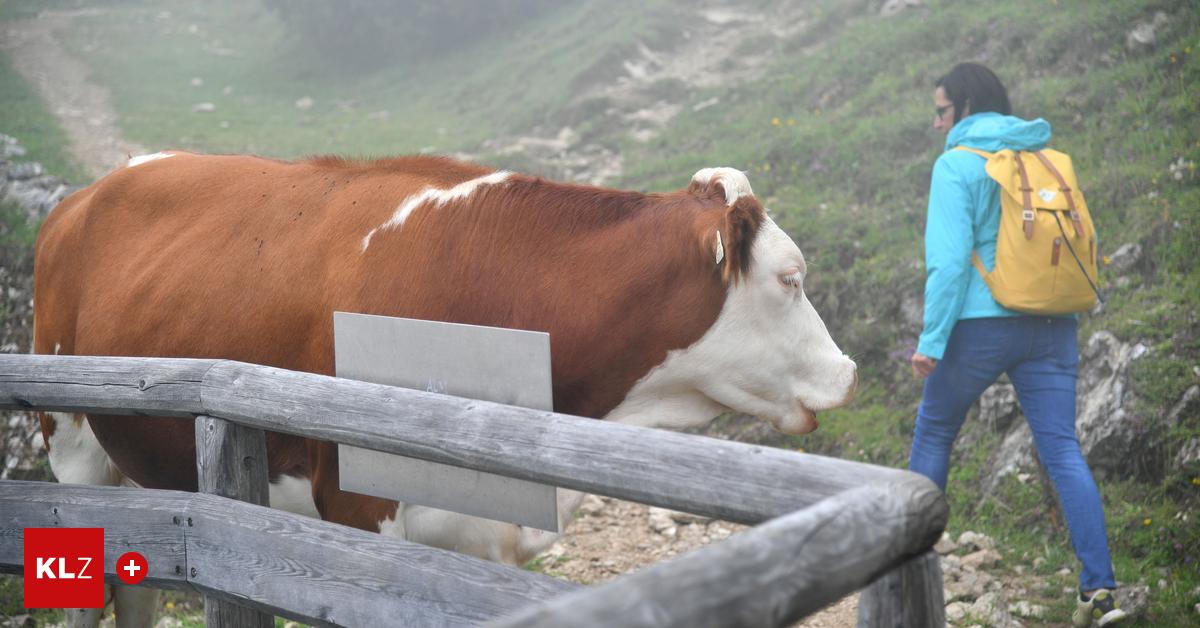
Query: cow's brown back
point(247, 258)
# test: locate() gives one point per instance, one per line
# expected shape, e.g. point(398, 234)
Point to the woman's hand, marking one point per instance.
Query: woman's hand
point(923, 365)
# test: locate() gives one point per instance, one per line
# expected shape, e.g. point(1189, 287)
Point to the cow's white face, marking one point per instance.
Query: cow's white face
point(768, 354)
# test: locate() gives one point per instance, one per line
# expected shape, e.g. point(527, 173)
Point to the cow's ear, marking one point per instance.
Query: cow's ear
point(738, 229)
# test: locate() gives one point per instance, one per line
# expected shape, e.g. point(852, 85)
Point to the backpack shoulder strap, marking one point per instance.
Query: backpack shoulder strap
point(975, 261)
point(981, 153)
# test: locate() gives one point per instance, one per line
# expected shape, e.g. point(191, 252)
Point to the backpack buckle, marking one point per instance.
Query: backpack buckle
point(1027, 215)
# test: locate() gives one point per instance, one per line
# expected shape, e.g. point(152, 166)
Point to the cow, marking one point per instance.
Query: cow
point(662, 309)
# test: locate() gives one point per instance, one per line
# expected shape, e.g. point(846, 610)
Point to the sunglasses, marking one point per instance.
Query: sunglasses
point(941, 111)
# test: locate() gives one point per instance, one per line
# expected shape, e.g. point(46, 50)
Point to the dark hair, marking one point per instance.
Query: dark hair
point(975, 85)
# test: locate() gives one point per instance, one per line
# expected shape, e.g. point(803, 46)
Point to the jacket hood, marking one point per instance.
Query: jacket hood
point(993, 131)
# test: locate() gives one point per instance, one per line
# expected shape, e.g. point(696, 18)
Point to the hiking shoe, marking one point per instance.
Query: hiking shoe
point(1101, 608)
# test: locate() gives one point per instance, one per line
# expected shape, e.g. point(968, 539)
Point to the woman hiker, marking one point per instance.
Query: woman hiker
point(969, 339)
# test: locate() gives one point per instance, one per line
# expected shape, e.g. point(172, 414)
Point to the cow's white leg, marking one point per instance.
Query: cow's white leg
point(294, 495)
point(76, 457)
point(483, 538)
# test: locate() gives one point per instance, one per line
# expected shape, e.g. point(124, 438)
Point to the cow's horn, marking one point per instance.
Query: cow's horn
point(719, 249)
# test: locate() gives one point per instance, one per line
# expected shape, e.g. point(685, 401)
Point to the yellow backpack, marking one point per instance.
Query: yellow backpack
point(1046, 247)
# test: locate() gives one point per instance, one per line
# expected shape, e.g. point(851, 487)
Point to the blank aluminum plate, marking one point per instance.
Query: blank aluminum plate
point(501, 365)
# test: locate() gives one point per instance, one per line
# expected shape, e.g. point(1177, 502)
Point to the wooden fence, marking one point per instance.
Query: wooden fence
point(828, 526)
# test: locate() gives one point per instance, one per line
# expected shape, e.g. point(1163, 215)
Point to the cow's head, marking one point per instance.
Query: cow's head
point(768, 353)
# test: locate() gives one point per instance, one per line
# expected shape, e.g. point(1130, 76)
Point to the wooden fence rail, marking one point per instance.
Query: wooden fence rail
point(295, 566)
point(732, 481)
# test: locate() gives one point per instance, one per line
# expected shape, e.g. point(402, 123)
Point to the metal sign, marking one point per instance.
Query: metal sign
point(502, 365)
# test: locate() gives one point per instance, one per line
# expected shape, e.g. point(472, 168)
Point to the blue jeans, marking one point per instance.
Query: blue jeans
point(1041, 358)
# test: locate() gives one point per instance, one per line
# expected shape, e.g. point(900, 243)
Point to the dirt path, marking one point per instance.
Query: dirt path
point(83, 109)
point(611, 537)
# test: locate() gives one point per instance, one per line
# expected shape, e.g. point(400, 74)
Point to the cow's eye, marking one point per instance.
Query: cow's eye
point(793, 278)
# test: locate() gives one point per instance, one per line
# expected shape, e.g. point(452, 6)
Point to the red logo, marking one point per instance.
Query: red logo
point(64, 567)
point(132, 567)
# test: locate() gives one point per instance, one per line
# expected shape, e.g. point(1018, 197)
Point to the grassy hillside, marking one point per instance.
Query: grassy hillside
point(850, 181)
point(835, 135)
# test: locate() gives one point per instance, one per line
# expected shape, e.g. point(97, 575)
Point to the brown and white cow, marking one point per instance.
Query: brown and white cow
point(662, 309)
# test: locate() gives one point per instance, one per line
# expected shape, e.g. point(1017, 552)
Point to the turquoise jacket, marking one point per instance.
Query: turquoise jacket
point(964, 216)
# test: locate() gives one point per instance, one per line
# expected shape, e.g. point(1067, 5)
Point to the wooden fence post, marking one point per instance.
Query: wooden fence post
point(231, 461)
point(909, 596)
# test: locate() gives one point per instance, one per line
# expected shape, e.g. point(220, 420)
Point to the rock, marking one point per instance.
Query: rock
point(956, 591)
point(685, 518)
point(971, 540)
point(304, 104)
point(993, 608)
point(591, 505)
point(945, 545)
point(25, 170)
point(197, 81)
point(203, 107)
point(893, 7)
point(998, 407)
point(1188, 405)
point(955, 611)
point(1125, 258)
point(1134, 599)
point(660, 520)
point(1144, 36)
point(1025, 609)
point(1014, 454)
point(1108, 435)
point(37, 201)
point(9, 147)
point(981, 559)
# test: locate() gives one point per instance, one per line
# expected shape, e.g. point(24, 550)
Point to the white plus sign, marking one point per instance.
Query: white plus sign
point(132, 568)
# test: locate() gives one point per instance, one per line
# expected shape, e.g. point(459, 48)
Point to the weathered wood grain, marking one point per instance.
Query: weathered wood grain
point(727, 480)
point(150, 523)
point(231, 461)
point(732, 481)
point(104, 385)
point(274, 561)
point(910, 595)
point(329, 574)
point(771, 575)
